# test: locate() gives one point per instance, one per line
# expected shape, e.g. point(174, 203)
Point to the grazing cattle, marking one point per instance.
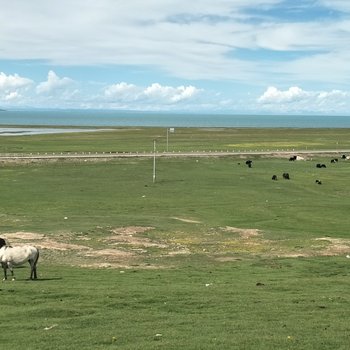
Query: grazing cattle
point(343, 156)
point(334, 160)
point(274, 177)
point(15, 256)
point(319, 182)
point(286, 176)
point(2, 242)
point(318, 165)
point(249, 163)
point(293, 158)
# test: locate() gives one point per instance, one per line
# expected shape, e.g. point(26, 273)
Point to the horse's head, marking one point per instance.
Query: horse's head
point(2, 242)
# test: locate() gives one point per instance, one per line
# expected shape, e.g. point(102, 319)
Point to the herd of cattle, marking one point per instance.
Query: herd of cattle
point(286, 176)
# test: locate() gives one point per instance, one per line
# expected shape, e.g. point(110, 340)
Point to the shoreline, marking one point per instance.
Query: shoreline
point(9, 130)
point(44, 130)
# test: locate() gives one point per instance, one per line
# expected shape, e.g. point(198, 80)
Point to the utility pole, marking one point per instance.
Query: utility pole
point(154, 161)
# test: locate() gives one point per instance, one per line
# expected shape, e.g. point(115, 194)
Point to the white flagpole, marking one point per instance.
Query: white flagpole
point(154, 161)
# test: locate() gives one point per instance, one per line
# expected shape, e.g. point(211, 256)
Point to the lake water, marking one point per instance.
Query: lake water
point(102, 118)
point(28, 130)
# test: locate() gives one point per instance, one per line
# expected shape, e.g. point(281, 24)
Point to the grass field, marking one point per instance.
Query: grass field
point(265, 304)
point(183, 139)
point(212, 255)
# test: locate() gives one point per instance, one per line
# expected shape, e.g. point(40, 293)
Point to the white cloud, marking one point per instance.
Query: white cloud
point(57, 92)
point(169, 94)
point(325, 68)
point(14, 95)
point(273, 95)
point(155, 94)
point(12, 82)
point(185, 39)
point(11, 87)
point(122, 91)
point(120, 32)
point(297, 100)
point(53, 84)
point(340, 5)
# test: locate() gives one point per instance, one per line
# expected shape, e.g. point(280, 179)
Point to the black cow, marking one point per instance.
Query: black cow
point(274, 177)
point(249, 163)
point(334, 160)
point(286, 176)
point(343, 156)
point(319, 182)
point(293, 158)
point(318, 165)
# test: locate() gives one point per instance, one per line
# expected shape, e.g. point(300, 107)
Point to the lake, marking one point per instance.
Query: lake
point(100, 118)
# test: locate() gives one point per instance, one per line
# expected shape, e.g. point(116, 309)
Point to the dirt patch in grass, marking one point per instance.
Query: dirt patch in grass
point(42, 241)
point(227, 259)
point(102, 252)
point(336, 246)
point(252, 242)
point(114, 253)
point(244, 233)
point(109, 258)
point(190, 221)
point(22, 236)
point(131, 230)
point(52, 244)
point(57, 252)
point(131, 236)
point(127, 247)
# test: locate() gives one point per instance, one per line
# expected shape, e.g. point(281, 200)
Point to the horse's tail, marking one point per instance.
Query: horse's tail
point(37, 256)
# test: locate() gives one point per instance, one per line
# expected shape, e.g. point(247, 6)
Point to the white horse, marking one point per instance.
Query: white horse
point(15, 256)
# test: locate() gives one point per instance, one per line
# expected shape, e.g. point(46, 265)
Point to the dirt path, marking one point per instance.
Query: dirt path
point(109, 155)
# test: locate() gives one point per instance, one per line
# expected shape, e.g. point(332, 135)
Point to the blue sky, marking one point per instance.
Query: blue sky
point(222, 56)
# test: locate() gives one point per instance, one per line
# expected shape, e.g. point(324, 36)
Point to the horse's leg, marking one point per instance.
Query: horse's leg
point(34, 272)
point(33, 275)
point(35, 261)
point(4, 266)
point(31, 263)
point(11, 269)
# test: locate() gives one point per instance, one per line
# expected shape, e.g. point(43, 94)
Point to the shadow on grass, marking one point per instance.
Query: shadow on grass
point(45, 279)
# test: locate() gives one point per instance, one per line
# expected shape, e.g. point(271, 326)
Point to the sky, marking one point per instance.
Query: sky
point(199, 56)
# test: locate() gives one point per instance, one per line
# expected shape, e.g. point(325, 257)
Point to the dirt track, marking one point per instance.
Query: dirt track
point(109, 155)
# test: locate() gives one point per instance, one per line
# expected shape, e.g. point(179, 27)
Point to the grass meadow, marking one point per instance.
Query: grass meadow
point(212, 255)
point(183, 139)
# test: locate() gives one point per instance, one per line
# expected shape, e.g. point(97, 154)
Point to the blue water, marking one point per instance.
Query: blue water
point(118, 118)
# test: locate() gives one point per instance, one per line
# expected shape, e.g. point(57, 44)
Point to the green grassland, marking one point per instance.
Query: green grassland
point(183, 139)
point(212, 255)
point(274, 304)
